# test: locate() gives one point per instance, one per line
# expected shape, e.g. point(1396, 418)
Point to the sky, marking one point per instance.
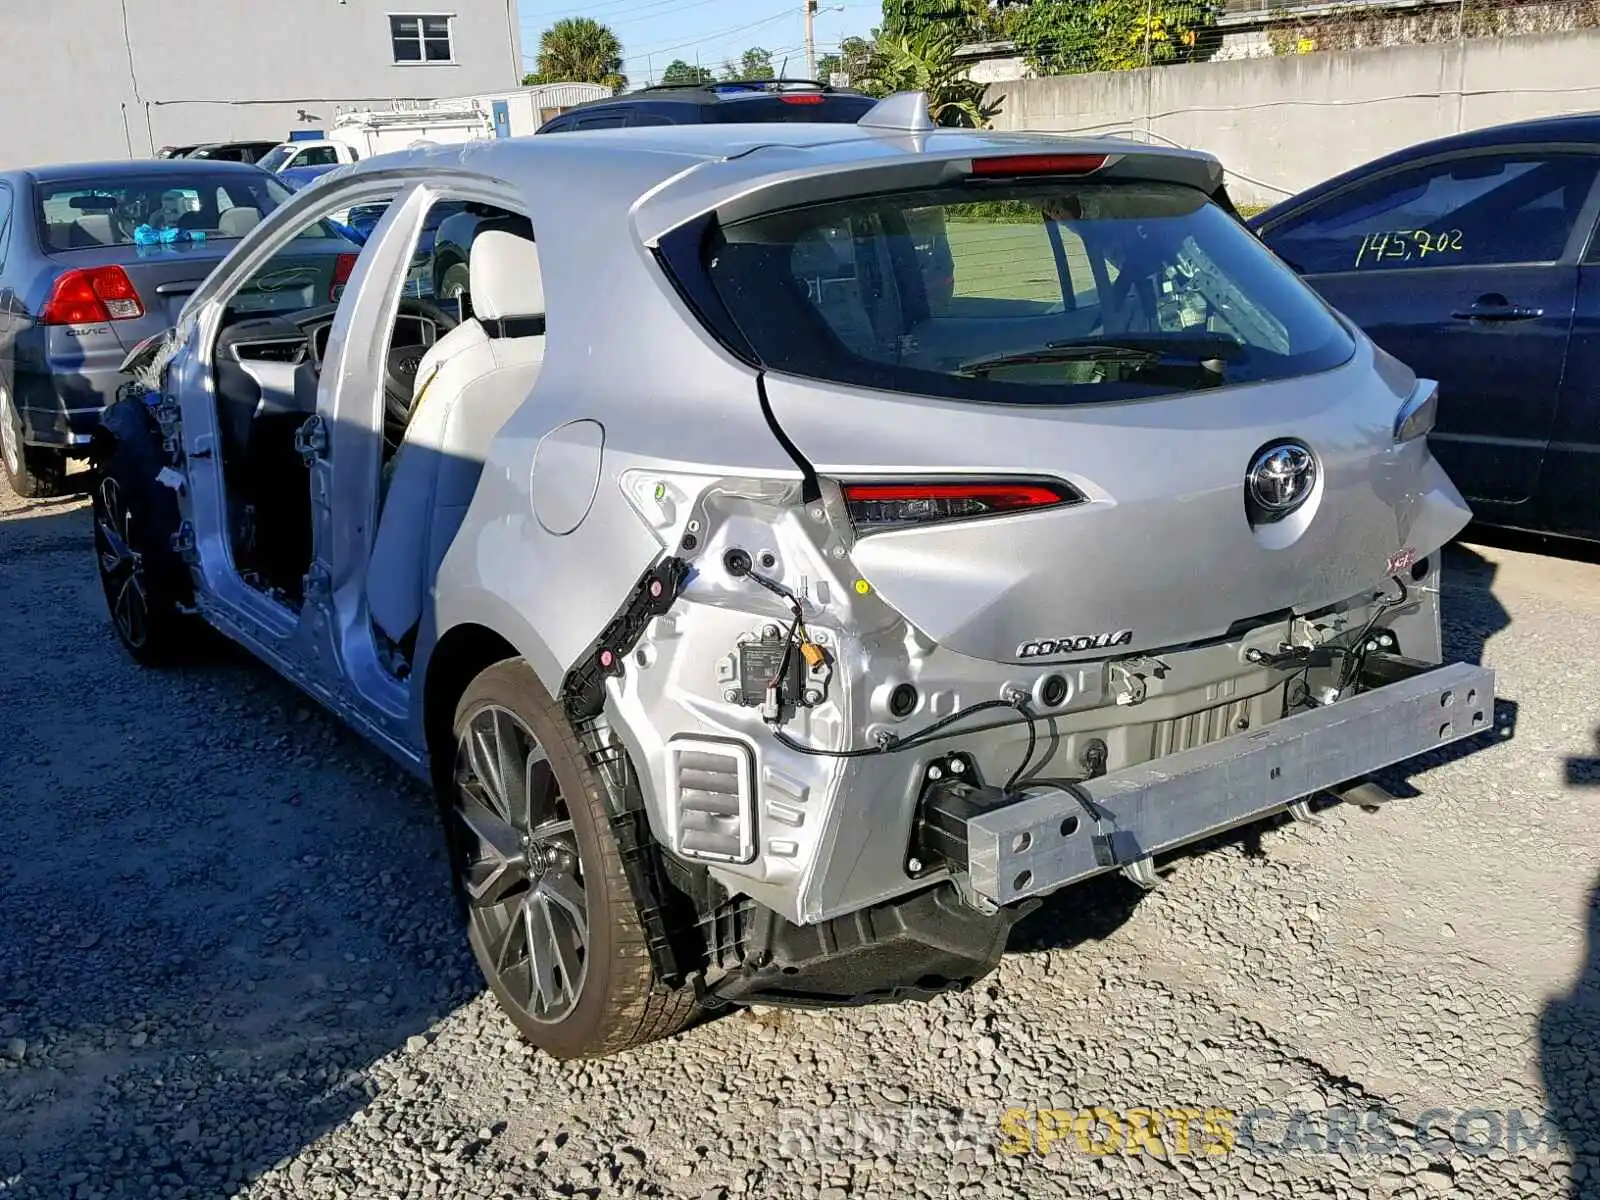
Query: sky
point(654, 32)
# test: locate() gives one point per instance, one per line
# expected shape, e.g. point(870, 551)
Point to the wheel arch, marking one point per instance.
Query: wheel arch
point(462, 654)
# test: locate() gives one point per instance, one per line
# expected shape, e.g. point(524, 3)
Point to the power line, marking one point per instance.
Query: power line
point(718, 37)
point(611, 10)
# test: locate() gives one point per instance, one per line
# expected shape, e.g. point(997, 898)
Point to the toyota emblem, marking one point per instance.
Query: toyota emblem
point(1281, 478)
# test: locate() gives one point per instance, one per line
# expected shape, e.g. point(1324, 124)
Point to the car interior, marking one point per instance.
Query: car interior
point(463, 389)
point(448, 386)
point(109, 216)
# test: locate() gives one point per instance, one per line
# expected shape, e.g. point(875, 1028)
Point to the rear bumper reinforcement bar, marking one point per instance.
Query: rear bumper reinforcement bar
point(1062, 833)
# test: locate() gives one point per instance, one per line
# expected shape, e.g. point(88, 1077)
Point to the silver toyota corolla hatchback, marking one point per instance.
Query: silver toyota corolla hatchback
point(801, 547)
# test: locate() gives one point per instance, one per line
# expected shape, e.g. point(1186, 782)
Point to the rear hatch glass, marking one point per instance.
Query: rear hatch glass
point(1029, 293)
point(161, 208)
point(1126, 339)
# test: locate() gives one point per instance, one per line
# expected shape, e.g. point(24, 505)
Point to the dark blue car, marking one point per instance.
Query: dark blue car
point(1474, 259)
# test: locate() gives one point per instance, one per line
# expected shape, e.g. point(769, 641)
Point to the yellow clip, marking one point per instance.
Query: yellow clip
point(862, 587)
point(812, 653)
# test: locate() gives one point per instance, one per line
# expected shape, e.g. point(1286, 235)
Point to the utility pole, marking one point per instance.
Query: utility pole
point(811, 38)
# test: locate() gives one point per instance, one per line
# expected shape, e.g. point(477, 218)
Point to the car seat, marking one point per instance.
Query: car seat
point(91, 229)
point(236, 222)
point(468, 384)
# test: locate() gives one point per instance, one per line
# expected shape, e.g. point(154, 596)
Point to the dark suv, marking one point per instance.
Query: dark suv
point(711, 103)
point(759, 100)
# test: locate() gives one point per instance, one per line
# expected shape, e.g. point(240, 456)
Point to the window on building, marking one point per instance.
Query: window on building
point(421, 39)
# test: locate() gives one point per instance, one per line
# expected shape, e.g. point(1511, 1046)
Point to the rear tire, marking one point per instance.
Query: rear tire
point(551, 918)
point(34, 472)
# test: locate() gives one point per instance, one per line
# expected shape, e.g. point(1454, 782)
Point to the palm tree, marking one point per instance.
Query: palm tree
point(580, 50)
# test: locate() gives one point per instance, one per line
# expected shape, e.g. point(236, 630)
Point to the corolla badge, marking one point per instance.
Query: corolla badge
point(1074, 644)
point(1282, 477)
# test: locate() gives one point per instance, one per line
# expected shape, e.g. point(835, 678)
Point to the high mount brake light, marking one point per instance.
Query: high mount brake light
point(874, 506)
point(91, 295)
point(1036, 164)
point(810, 99)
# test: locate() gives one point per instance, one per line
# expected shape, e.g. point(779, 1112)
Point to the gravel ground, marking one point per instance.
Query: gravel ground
point(230, 967)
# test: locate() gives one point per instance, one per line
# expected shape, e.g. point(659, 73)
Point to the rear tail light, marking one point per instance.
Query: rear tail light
point(1037, 164)
point(875, 506)
point(805, 99)
point(1418, 414)
point(343, 267)
point(90, 296)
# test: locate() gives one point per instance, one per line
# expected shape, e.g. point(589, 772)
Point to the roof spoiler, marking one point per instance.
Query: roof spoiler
point(903, 112)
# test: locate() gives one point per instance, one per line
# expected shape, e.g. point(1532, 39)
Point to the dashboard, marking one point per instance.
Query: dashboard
point(267, 368)
point(304, 338)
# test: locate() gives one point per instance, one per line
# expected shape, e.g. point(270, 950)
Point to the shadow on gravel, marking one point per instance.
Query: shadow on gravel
point(1471, 615)
point(1471, 612)
point(1095, 909)
point(217, 907)
point(1569, 1062)
point(1583, 770)
point(1090, 912)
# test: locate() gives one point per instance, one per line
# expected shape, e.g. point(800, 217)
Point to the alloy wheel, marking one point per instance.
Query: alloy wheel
point(121, 567)
point(523, 873)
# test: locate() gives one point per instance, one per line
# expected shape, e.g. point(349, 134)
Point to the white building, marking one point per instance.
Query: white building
point(94, 79)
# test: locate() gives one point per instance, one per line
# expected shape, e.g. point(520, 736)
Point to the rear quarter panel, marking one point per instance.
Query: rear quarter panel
point(621, 350)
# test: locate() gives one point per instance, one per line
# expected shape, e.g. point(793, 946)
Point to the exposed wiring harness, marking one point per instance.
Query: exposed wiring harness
point(892, 744)
point(1356, 654)
point(1352, 655)
point(1033, 742)
point(910, 742)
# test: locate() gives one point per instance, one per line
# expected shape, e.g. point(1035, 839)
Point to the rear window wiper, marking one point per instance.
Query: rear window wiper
point(1211, 353)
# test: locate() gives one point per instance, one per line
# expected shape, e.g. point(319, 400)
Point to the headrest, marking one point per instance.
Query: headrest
point(236, 222)
point(504, 277)
point(96, 229)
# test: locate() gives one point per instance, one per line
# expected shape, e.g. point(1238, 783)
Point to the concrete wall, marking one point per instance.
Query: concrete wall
point(1282, 124)
point(77, 86)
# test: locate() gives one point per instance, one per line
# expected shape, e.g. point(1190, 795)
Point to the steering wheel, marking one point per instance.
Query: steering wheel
point(400, 369)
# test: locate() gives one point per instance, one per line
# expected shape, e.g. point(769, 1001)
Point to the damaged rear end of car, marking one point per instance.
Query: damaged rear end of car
point(1121, 541)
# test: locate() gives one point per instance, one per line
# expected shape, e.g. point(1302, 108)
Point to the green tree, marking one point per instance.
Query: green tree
point(925, 62)
point(857, 58)
point(963, 20)
point(755, 63)
point(679, 71)
point(858, 55)
point(1069, 37)
point(579, 50)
